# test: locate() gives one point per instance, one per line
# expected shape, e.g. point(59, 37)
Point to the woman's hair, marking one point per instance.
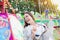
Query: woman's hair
point(26, 24)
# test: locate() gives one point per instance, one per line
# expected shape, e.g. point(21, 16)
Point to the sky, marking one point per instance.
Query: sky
point(56, 2)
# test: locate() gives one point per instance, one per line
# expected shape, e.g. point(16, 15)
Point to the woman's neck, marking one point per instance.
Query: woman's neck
point(33, 23)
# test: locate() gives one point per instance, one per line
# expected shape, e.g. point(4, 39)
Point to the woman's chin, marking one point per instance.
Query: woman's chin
point(28, 22)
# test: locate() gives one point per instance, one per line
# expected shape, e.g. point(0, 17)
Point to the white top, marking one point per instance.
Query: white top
point(28, 31)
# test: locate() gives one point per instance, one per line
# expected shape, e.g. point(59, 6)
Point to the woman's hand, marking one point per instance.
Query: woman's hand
point(33, 32)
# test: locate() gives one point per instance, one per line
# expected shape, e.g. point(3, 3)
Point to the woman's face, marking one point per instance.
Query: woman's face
point(28, 18)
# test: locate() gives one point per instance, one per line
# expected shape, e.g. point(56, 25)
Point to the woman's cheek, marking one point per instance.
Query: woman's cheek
point(27, 19)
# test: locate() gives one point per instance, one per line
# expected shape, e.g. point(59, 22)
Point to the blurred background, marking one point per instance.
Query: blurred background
point(41, 10)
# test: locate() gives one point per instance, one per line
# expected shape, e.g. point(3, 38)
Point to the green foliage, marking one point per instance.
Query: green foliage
point(23, 5)
point(26, 6)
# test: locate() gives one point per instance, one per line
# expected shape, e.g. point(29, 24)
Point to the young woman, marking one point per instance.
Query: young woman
point(32, 30)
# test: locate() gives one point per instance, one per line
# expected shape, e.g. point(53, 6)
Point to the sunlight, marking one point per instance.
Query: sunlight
point(56, 2)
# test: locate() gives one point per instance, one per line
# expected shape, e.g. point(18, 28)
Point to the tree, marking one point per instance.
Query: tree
point(45, 4)
point(22, 5)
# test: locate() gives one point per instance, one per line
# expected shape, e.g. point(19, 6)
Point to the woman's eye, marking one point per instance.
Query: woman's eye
point(26, 16)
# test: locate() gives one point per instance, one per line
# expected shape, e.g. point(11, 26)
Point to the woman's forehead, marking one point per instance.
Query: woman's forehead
point(26, 15)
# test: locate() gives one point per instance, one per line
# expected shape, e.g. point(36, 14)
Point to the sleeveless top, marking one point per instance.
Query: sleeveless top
point(27, 31)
